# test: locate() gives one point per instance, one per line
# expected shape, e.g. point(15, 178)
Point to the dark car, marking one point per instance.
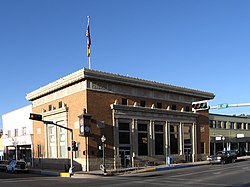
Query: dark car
point(223, 157)
point(3, 164)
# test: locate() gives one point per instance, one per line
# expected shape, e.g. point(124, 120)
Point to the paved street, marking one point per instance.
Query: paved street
point(229, 175)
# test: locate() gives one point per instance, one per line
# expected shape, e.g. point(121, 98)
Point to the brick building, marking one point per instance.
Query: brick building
point(229, 132)
point(143, 121)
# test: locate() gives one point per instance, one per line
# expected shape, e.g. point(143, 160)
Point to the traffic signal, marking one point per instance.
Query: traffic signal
point(74, 148)
point(200, 105)
point(37, 117)
point(85, 125)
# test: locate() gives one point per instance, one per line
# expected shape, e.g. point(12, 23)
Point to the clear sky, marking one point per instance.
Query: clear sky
point(199, 44)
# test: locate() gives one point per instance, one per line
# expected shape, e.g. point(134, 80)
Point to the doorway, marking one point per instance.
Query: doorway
point(188, 154)
point(125, 158)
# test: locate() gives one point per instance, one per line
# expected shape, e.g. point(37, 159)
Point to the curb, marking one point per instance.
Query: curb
point(65, 174)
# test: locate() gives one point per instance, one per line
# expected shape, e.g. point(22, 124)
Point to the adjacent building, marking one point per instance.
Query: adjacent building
point(18, 134)
point(229, 132)
point(143, 121)
point(1, 146)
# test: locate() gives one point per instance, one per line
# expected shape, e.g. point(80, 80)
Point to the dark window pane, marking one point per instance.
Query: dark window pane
point(124, 101)
point(159, 142)
point(123, 126)
point(142, 144)
point(142, 127)
point(159, 105)
point(173, 107)
point(143, 103)
point(124, 138)
point(174, 144)
point(158, 128)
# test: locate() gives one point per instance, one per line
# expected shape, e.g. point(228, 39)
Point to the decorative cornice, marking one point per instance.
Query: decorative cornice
point(137, 82)
point(87, 74)
point(56, 85)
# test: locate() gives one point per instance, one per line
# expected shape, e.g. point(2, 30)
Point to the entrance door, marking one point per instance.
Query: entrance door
point(188, 154)
point(125, 158)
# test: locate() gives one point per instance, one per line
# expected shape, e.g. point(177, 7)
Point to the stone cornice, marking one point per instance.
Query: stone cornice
point(88, 74)
point(56, 85)
point(137, 82)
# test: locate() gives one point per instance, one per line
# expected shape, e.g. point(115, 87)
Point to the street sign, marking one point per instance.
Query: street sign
point(222, 106)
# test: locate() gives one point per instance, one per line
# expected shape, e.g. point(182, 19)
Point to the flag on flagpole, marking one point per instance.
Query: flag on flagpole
point(88, 38)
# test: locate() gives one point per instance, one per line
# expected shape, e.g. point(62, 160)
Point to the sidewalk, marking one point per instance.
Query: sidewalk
point(82, 174)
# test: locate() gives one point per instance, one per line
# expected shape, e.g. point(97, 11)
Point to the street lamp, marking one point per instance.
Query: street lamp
point(223, 139)
point(15, 144)
point(103, 139)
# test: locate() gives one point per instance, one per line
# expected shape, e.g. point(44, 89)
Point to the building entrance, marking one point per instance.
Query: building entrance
point(188, 154)
point(125, 158)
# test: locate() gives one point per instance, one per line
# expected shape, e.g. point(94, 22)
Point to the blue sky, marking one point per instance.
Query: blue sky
point(199, 44)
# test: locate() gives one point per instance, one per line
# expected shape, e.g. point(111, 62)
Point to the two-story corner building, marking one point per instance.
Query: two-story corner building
point(229, 132)
point(142, 121)
point(18, 134)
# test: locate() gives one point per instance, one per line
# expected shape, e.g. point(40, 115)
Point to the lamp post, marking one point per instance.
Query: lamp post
point(15, 143)
point(103, 139)
point(223, 139)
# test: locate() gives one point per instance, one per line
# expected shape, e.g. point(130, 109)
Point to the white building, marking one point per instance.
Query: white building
point(18, 133)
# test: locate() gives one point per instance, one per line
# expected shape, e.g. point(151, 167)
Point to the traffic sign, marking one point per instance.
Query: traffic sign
point(222, 106)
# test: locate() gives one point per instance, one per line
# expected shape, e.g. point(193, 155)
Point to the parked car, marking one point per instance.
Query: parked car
point(223, 157)
point(3, 164)
point(16, 166)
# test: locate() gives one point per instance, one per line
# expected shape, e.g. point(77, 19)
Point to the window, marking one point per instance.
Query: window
point(62, 143)
point(173, 107)
point(187, 134)
point(187, 108)
point(50, 107)
point(142, 103)
point(78, 151)
point(202, 147)
point(238, 125)
point(16, 132)
point(159, 139)
point(211, 123)
point(124, 101)
point(174, 138)
point(158, 105)
point(219, 124)
point(9, 133)
point(142, 139)
point(24, 131)
point(230, 125)
point(60, 104)
point(51, 141)
point(124, 133)
point(39, 151)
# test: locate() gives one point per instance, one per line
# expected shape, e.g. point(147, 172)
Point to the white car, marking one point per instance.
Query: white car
point(16, 166)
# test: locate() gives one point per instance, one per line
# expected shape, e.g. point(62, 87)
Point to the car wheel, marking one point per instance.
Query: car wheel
point(233, 160)
point(223, 162)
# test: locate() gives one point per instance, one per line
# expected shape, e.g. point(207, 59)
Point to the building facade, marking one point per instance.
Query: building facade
point(229, 133)
point(18, 134)
point(143, 121)
point(1, 146)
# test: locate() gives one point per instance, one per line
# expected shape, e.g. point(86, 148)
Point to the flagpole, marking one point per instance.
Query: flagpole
point(88, 40)
point(89, 62)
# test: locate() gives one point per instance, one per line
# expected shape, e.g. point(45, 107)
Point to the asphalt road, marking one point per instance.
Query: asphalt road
point(229, 175)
